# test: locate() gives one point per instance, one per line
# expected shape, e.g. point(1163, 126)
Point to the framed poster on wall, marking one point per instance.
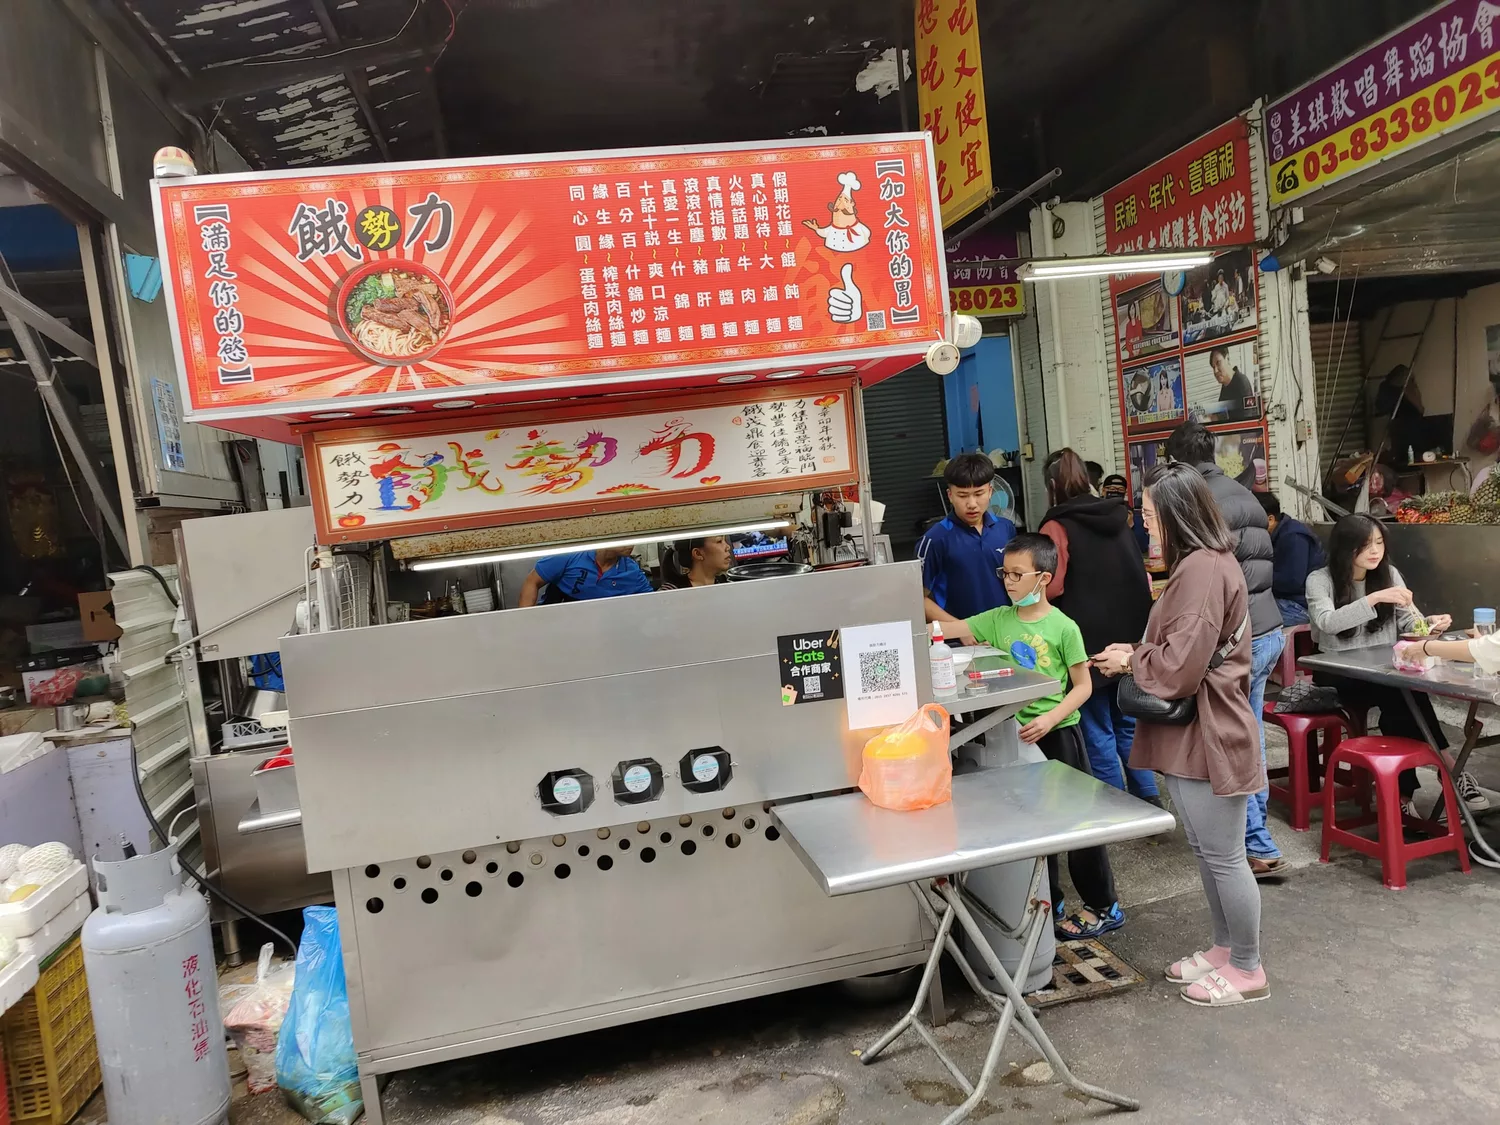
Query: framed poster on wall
point(1185, 344)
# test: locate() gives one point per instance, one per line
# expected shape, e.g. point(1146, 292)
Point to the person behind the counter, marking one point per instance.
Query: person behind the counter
point(703, 561)
point(961, 553)
point(1039, 637)
point(606, 573)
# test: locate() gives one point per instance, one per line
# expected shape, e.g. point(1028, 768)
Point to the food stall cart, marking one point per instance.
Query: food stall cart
point(543, 822)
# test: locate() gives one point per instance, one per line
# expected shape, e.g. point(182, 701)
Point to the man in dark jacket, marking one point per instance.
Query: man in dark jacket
point(1298, 554)
point(1193, 444)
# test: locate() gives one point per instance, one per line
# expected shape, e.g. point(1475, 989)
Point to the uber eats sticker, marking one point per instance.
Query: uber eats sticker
point(810, 667)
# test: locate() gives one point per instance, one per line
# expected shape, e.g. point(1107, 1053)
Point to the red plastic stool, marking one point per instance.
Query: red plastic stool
point(1385, 758)
point(1299, 643)
point(1311, 738)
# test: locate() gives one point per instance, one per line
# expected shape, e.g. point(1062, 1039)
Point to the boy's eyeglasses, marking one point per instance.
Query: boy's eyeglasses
point(1016, 575)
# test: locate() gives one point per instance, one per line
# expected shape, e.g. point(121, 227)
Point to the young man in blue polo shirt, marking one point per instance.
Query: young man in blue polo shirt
point(961, 555)
point(585, 576)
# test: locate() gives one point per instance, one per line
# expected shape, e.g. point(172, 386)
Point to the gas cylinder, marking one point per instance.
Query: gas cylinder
point(149, 956)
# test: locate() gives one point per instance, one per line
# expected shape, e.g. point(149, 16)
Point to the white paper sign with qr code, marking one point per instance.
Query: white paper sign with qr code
point(880, 674)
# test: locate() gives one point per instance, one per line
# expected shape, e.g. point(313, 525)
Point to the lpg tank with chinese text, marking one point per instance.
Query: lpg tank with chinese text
point(149, 957)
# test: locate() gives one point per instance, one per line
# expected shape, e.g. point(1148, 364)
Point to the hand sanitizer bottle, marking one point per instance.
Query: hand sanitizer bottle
point(944, 681)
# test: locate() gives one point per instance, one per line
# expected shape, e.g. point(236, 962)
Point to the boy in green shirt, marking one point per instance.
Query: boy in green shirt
point(1040, 638)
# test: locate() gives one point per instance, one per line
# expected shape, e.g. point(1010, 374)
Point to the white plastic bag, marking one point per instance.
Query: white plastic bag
point(253, 1015)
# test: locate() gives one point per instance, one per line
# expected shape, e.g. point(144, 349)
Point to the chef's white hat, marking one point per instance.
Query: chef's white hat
point(850, 184)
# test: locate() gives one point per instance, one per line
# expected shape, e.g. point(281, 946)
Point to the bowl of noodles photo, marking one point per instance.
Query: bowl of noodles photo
point(393, 311)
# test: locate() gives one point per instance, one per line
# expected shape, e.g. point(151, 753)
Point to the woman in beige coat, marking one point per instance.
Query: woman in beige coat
point(1198, 644)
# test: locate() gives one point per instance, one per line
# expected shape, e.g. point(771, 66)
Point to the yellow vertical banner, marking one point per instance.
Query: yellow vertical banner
point(950, 95)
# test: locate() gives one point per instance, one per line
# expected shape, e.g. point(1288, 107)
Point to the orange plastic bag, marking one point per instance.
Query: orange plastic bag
point(907, 767)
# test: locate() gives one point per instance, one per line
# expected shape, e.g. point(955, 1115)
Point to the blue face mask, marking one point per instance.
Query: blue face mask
point(1031, 598)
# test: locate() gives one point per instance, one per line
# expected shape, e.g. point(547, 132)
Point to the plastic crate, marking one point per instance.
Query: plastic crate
point(51, 1056)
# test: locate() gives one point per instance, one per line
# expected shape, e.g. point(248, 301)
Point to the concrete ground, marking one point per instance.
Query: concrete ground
point(1382, 1010)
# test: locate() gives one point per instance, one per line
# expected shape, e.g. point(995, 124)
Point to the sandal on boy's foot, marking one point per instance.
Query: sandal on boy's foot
point(1190, 969)
point(1214, 991)
point(1103, 923)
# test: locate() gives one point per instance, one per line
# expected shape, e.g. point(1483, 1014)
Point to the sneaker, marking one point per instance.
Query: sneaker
point(1470, 793)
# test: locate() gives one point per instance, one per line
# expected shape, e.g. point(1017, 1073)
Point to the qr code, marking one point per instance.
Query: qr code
point(880, 670)
point(875, 320)
point(812, 685)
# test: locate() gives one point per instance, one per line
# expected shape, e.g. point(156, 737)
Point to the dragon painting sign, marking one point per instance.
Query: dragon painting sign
point(381, 482)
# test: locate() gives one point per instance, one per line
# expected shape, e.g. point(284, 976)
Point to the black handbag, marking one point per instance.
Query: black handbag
point(1144, 707)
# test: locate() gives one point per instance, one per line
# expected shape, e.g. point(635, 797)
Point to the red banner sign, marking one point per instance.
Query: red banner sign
point(376, 482)
point(1198, 196)
point(291, 292)
point(1185, 342)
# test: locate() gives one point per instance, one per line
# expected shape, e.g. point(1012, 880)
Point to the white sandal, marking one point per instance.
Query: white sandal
point(1189, 969)
point(1222, 994)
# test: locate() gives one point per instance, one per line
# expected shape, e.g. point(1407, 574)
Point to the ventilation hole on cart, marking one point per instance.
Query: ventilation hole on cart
point(562, 871)
point(666, 837)
point(559, 840)
point(685, 820)
point(728, 814)
point(583, 850)
point(602, 833)
point(513, 847)
point(374, 906)
point(515, 878)
point(473, 890)
point(445, 875)
point(491, 867)
point(772, 834)
point(373, 871)
point(733, 839)
point(399, 882)
point(624, 845)
point(648, 854)
point(469, 857)
point(605, 862)
point(536, 859)
point(643, 827)
point(688, 847)
point(749, 824)
point(708, 830)
point(424, 862)
point(429, 896)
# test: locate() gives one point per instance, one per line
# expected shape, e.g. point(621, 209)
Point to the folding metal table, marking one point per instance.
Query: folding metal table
point(996, 816)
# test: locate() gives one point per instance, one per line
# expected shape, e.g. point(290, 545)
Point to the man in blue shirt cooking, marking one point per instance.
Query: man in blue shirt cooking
point(584, 576)
point(961, 554)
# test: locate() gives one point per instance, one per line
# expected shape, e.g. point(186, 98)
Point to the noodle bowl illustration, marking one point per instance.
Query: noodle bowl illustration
point(393, 311)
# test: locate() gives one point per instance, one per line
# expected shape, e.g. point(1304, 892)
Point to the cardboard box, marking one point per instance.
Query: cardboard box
point(97, 611)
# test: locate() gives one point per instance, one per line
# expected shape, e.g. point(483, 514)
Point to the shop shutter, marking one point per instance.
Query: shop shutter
point(907, 436)
point(1339, 366)
point(1111, 357)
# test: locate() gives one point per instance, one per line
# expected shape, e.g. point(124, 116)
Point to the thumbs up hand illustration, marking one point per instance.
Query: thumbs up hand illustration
point(845, 304)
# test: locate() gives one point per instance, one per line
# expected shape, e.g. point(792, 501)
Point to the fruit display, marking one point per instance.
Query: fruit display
point(31, 869)
point(1453, 507)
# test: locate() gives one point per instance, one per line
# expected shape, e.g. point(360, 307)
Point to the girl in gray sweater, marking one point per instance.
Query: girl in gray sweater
point(1359, 600)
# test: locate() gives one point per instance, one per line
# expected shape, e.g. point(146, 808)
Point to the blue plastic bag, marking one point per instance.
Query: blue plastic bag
point(316, 1066)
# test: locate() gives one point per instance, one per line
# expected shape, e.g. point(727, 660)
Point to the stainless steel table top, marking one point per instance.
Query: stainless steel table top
point(1455, 681)
point(996, 816)
point(1020, 687)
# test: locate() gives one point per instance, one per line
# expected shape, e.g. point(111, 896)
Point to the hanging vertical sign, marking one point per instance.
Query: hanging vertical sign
point(950, 95)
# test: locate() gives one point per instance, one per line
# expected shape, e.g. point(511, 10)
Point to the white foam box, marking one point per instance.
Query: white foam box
point(24, 918)
point(42, 943)
point(17, 979)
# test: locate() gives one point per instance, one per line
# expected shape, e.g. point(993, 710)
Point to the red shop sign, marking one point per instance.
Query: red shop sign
point(295, 292)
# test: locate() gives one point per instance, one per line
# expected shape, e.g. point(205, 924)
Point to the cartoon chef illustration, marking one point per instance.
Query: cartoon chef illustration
point(844, 232)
